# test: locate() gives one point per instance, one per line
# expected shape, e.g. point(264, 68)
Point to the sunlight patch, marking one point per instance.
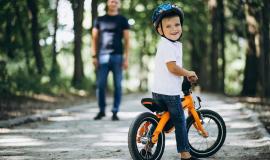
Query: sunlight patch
point(19, 141)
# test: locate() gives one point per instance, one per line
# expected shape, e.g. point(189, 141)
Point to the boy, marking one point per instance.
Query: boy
point(168, 72)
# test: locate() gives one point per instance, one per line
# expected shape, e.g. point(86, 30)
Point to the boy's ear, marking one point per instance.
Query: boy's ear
point(159, 30)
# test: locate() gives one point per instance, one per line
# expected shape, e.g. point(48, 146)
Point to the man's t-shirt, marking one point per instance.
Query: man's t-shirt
point(164, 81)
point(111, 33)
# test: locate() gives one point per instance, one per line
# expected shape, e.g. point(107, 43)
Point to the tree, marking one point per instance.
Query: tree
point(251, 69)
point(214, 46)
point(33, 8)
point(94, 13)
point(197, 38)
point(77, 6)
point(220, 6)
point(265, 48)
point(24, 36)
point(55, 67)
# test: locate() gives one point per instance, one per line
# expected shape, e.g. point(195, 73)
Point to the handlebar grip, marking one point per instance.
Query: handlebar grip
point(186, 85)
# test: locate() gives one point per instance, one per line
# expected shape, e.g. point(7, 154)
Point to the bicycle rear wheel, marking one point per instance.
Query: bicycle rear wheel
point(139, 138)
point(216, 128)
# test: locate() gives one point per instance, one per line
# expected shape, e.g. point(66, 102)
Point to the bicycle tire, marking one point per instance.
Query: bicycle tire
point(217, 122)
point(135, 152)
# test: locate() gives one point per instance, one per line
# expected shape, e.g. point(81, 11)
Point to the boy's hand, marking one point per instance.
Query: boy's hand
point(192, 77)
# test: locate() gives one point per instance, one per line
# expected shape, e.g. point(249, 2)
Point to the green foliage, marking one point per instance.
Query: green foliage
point(235, 63)
point(19, 75)
point(24, 84)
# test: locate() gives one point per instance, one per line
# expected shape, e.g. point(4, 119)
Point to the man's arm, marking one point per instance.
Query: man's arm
point(126, 48)
point(95, 45)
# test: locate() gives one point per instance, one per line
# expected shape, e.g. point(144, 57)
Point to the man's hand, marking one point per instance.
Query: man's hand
point(95, 62)
point(125, 63)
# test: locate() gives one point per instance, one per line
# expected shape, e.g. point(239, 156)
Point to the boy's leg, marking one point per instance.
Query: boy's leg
point(178, 118)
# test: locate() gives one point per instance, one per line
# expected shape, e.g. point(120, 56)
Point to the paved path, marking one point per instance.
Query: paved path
point(75, 136)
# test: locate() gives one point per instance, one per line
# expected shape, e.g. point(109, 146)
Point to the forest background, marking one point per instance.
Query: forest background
point(45, 47)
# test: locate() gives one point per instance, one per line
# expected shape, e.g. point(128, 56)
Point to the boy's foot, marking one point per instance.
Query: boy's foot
point(115, 117)
point(99, 115)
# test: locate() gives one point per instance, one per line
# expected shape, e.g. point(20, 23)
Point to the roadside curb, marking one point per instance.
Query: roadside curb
point(44, 116)
point(255, 118)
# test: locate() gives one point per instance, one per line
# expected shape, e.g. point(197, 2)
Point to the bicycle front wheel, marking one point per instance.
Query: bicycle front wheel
point(139, 138)
point(216, 128)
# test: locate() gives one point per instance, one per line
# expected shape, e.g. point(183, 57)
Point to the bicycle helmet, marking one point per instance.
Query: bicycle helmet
point(165, 9)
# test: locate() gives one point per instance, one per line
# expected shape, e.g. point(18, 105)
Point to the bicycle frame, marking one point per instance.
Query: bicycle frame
point(164, 117)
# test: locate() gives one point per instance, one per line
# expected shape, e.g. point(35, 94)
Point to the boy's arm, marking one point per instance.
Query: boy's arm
point(179, 71)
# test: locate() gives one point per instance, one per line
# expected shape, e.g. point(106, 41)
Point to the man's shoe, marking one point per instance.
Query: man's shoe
point(99, 116)
point(115, 117)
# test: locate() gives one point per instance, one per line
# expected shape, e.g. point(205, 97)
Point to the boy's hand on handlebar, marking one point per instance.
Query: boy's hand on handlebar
point(192, 77)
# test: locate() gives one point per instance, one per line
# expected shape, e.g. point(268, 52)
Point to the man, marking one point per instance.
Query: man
point(108, 54)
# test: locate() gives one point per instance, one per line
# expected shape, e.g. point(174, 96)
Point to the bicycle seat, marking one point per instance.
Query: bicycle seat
point(150, 104)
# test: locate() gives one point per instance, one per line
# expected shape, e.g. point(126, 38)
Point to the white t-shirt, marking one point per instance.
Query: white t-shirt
point(164, 81)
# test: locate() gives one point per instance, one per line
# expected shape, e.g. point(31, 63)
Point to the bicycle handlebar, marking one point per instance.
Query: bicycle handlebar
point(186, 85)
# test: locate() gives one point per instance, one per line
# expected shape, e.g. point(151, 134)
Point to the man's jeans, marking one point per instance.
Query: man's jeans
point(173, 103)
point(109, 63)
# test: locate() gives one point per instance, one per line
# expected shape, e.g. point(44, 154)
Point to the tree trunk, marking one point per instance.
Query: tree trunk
point(143, 66)
point(265, 48)
point(77, 6)
point(222, 43)
point(195, 55)
point(94, 5)
point(32, 6)
point(214, 50)
point(204, 72)
point(8, 40)
point(94, 14)
point(55, 67)
point(23, 34)
point(251, 69)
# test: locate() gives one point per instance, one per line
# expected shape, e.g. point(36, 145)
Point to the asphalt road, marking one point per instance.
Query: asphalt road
point(76, 136)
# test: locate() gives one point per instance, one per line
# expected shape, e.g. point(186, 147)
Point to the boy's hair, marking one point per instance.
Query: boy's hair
point(169, 15)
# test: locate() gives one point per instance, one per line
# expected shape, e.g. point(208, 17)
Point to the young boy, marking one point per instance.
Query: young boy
point(168, 73)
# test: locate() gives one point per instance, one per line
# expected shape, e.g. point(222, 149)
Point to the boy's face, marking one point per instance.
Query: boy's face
point(171, 28)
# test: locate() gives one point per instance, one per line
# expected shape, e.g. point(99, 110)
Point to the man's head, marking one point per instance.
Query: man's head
point(171, 16)
point(113, 5)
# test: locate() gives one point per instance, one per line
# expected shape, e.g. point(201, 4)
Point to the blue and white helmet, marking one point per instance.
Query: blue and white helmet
point(164, 9)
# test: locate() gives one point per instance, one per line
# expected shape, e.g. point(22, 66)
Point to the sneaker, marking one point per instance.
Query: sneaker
point(115, 117)
point(99, 116)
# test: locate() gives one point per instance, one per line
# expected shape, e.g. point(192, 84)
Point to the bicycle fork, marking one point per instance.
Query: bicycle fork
point(198, 124)
point(189, 104)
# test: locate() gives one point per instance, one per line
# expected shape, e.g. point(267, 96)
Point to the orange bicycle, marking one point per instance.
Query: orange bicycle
point(146, 137)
